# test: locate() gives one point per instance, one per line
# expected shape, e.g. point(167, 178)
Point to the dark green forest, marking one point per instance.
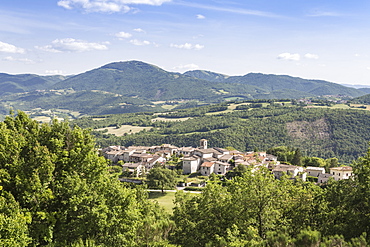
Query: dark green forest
point(56, 191)
point(320, 132)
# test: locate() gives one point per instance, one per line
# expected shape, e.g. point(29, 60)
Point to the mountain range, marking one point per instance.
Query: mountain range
point(137, 86)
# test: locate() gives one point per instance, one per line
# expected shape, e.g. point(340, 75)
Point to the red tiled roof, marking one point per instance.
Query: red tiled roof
point(207, 164)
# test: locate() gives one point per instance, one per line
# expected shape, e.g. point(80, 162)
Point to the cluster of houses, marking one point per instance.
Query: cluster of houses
point(139, 160)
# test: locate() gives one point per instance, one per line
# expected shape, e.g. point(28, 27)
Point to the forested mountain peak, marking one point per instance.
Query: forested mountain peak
point(133, 66)
point(141, 80)
point(207, 75)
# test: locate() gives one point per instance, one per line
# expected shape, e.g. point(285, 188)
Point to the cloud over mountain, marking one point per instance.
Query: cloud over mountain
point(289, 56)
point(188, 46)
point(73, 45)
point(22, 60)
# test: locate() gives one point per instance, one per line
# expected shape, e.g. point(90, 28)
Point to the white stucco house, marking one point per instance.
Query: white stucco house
point(190, 164)
point(340, 173)
point(323, 178)
point(135, 168)
point(207, 168)
point(221, 168)
point(315, 171)
point(290, 170)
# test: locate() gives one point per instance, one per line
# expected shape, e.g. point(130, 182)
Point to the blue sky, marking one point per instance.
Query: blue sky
point(314, 39)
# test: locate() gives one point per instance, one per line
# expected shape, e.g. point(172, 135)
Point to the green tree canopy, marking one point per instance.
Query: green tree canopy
point(64, 191)
point(162, 178)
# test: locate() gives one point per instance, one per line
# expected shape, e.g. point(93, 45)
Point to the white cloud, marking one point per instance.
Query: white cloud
point(319, 13)
point(22, 60)
point(8, 48)
point(228, 10)
point(48, 48)
point(289, 56)
point(188, 46)
point(201, 17)
point(148, 2)
point(187, 67)
point(109, 6)
point(64, 4)
point(139, 42)
point(54, 72)
point(139, 30)
point(73, 45)
point(311, 56)
point(123, 35)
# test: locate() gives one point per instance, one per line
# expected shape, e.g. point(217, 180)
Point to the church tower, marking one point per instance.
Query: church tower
point(203, 144)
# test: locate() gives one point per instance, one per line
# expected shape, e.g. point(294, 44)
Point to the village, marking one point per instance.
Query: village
point(139, 160)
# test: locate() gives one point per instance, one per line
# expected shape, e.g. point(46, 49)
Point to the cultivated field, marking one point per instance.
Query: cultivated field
point(129, 129)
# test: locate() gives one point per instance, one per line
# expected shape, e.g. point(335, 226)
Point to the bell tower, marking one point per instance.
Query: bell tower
point(203, 144)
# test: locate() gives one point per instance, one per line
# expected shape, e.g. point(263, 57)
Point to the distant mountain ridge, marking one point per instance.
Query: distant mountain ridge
point(139, 79)
point(132, 86)
point(143, 80)
point(271, 83)
point(26, 82)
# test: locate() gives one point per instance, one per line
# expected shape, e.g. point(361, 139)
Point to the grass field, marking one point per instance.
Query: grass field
point(360, 106)
point(168, 107)
point(165, 199)
point(169, 119)
point(45, 119)
point(334, 106)
point(124, 129)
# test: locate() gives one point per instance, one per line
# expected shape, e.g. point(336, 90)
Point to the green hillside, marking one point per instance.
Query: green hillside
point(282, 82)
point(277, 83)
point(134, 86)
point(138, 79)
point(365, 99)
point(364, 90)
point(284, 94)
point(207, 75)
point(25, 82)
point(84, 102)
point(321, 132)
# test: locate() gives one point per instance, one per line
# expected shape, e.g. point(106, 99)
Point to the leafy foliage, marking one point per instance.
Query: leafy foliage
point(249, 209)
point(55, 175)
point(162, 178)
point(256, 210)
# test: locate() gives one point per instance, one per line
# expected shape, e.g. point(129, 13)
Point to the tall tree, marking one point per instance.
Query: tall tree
point(297, 158)
point(55, 174)
point(162, 178)
point(13, 222)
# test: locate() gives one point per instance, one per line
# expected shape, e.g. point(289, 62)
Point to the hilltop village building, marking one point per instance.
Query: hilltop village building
point(204, 160)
